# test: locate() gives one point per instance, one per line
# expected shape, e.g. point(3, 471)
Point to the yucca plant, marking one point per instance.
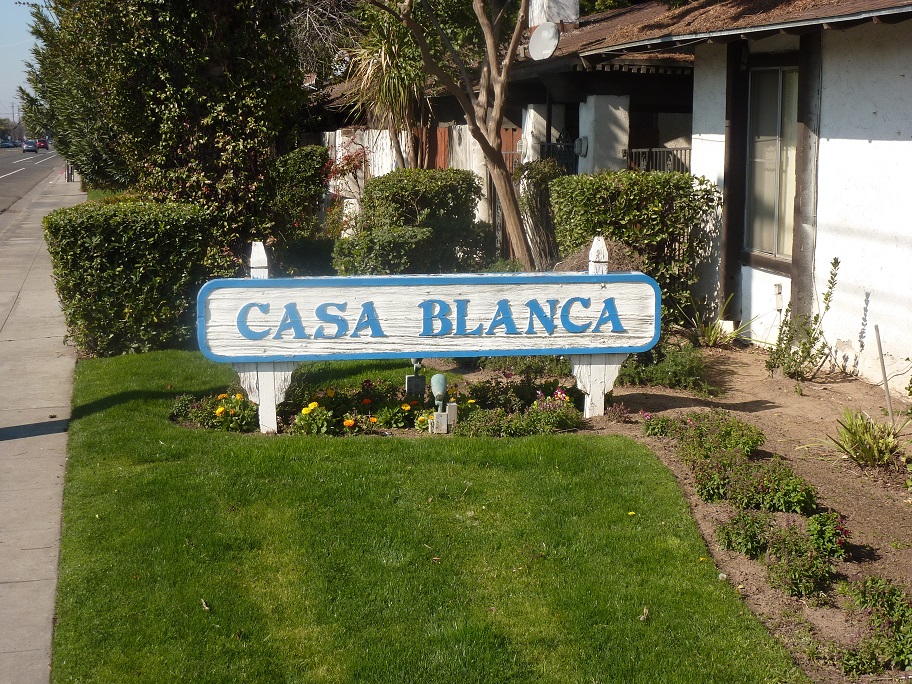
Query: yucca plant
point(868, 442)
point(703, 331)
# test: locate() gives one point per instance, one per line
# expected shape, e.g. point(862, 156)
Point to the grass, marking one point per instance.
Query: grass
point(214, 557)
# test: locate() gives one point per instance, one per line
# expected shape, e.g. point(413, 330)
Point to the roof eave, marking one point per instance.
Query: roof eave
point(673, 41)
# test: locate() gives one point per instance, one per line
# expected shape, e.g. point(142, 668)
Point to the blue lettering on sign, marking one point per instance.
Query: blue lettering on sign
point(569, 325)
point(246, 331)
point(369, 320)
point(547, 321)
point(326, 317)
point(462, 312)
point(291, 320)
point(437, 318)
point(435, 310)
point(609, 315)
point(503, 316)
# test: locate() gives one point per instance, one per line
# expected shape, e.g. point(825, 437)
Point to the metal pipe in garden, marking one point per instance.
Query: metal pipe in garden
point(883, 370)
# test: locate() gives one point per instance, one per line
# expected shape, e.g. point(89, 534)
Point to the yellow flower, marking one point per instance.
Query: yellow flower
point(222, 396)
point(471, 401)
point(313, 405)
point(330, 393)
point(406, 407)
point(348, 423)
point(631, 513)
point(306, 410)
point(220, 410)
point(238, 396)
point(422, 419)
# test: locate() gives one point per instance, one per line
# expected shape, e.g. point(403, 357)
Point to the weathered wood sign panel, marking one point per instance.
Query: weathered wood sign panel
point(306, 319)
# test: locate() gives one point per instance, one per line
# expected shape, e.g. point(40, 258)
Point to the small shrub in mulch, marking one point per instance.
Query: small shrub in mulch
point(748, 533)
point(889, 612)
point(795, 565)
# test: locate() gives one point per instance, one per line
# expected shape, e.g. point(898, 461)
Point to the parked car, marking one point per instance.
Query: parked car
point(41, 144)
point(7, 144)
point(30, 146)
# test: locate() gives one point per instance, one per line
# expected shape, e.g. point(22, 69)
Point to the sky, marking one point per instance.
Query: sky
point(15, 48)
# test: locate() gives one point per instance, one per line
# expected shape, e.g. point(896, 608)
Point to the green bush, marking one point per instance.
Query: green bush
point(701, 434)
point(667, 366)
point(127, 273)
point(541, 419)
point(299, 181)
point(397, 249)
point(537, 366)
point(828, 533)
point(795, 565)
point(667, 218)
point(748, 533)
point(659, 426)
point(417, 221)
point(767, 485)
point(889, 609)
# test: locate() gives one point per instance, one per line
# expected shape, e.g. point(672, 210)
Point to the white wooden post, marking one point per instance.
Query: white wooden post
point(595, 373)
point(265, 383)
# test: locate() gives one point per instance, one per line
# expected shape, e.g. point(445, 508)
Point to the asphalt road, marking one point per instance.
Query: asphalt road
point(21, 171)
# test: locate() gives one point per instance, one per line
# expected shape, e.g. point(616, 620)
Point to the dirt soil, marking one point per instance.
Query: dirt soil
point(796, 419)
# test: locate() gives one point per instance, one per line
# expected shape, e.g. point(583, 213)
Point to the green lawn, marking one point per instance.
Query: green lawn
point(213, 557)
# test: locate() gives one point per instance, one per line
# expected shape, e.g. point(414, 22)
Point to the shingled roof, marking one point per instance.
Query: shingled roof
point(652, 25)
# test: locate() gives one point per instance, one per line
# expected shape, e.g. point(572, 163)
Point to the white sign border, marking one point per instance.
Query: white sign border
point(372, 282)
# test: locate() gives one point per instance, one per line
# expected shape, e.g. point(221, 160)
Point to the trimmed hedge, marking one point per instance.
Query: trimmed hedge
point(667, 218)
point(417, 221)
point(127, 273)
point(299, 182)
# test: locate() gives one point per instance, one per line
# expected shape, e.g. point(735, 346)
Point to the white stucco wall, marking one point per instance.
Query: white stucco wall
point(864, 204)
point(605, 121)
point(535, 128)
point(864, 211)
point(708, 143)
point(465, 153)
point(674, 129)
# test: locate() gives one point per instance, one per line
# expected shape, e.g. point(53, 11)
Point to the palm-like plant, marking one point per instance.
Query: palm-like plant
point(389, 83)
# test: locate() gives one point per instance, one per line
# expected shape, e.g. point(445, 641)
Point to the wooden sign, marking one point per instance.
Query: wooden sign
point(331, 318)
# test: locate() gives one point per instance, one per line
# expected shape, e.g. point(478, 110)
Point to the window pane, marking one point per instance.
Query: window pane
point(763, 160)
point(773, 131)
point(788, 146)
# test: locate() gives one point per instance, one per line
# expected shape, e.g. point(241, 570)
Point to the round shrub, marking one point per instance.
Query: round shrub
point(417, 221)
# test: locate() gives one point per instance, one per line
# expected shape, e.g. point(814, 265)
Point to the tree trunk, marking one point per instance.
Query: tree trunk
point(537, 221)
point(509, 205)
point(397, 145)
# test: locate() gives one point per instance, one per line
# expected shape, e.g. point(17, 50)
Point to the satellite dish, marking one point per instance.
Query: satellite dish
point(544, 39)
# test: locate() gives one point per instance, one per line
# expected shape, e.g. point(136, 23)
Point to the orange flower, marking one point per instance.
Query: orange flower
point(373, 419)
point(348, 422)
point(365, 401)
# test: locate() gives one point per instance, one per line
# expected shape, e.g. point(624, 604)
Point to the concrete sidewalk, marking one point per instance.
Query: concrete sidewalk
point(36, 375)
